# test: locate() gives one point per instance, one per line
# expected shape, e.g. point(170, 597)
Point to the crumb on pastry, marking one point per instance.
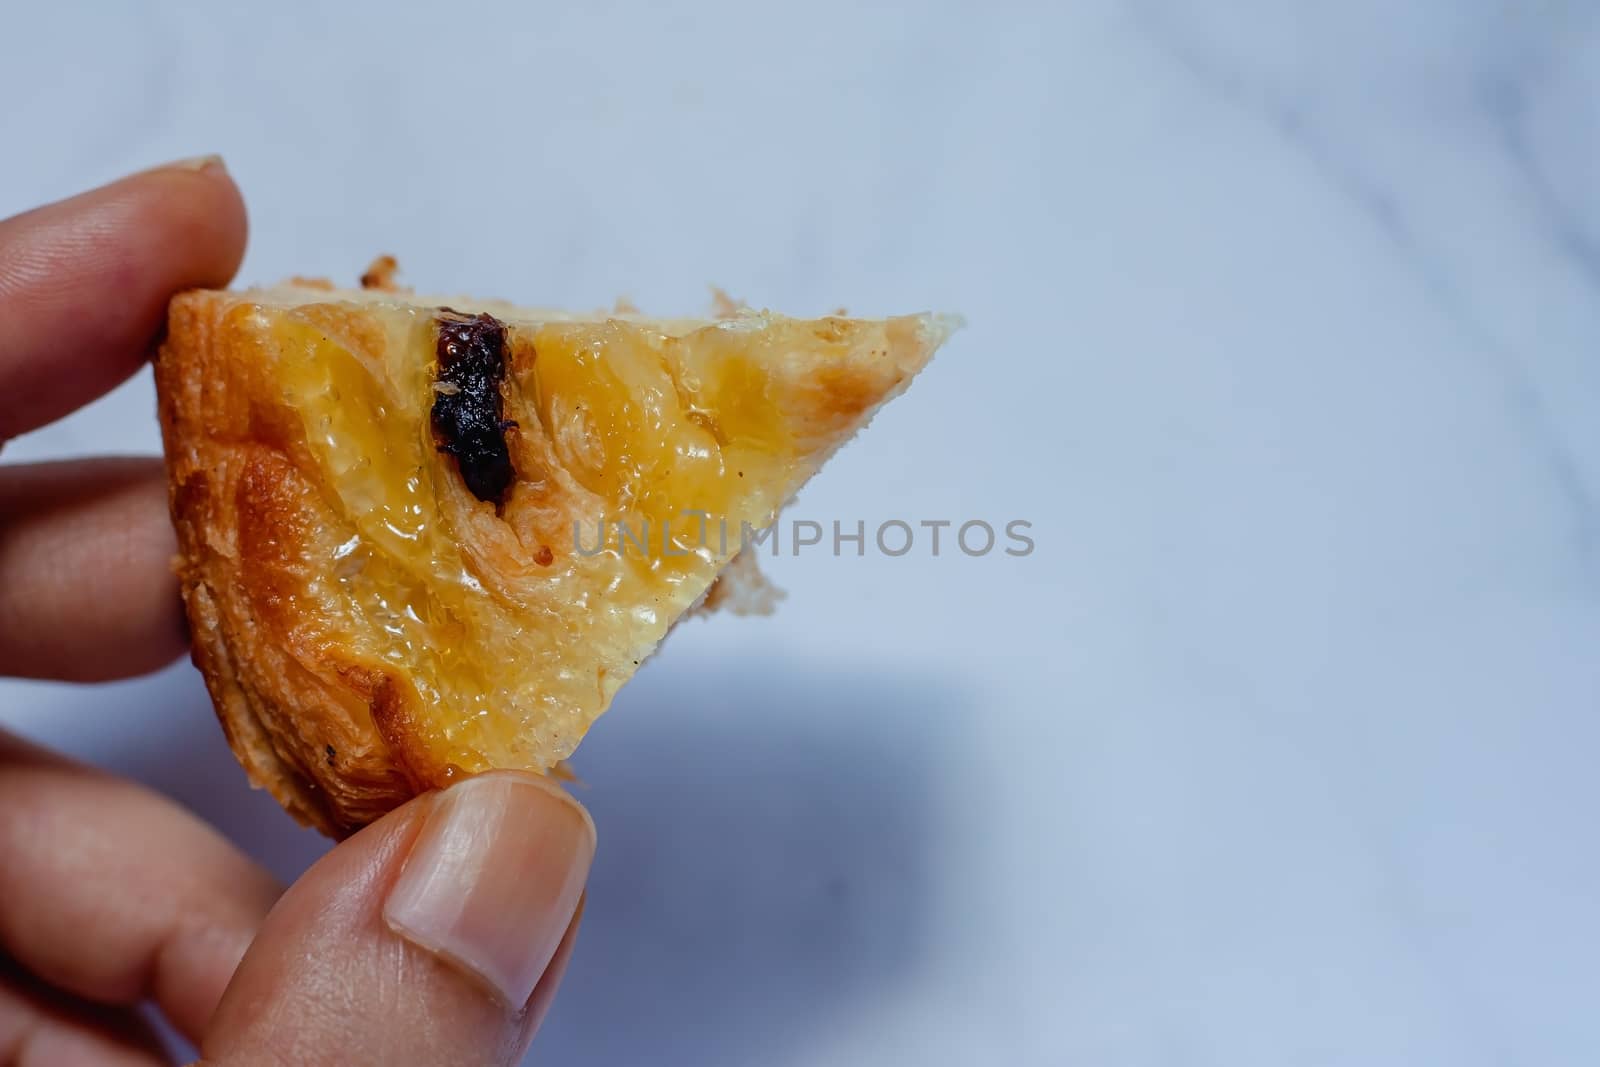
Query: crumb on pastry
point(380, 274)
point(724, 306)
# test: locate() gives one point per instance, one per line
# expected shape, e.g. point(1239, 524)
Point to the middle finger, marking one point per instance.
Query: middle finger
point(113, 893)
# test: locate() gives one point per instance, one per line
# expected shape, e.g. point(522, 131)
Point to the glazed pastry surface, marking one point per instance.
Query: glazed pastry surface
point(422, 538)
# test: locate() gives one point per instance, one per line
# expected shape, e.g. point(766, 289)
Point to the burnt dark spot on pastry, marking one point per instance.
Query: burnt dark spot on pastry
point(468, 415)
point(544, 557)
point(329, 749)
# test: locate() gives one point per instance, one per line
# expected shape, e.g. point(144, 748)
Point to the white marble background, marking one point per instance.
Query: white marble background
point(1285, 334)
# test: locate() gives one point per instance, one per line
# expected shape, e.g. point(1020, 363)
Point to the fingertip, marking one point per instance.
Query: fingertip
point(494, 880)
point(225, 218)
point(85, 282)
point(191, 213)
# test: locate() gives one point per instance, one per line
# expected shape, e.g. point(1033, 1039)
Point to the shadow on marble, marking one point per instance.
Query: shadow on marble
point(763, 863)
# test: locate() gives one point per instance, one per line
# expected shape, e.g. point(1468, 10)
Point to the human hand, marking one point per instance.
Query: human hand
point(437, 935)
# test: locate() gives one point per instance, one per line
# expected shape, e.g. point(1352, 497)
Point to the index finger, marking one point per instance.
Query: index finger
point(84, 282)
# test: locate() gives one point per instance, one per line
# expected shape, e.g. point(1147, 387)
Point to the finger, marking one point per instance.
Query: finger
point(86, 584)
point(84, 283)
point(115, 894)
point(40, 1026)
point(436, 935)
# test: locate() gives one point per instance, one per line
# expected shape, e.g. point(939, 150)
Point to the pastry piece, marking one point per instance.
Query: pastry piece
point(421, 538)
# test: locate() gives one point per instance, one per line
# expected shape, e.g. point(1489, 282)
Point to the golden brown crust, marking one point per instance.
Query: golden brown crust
point(297, 714)
point(338, 737)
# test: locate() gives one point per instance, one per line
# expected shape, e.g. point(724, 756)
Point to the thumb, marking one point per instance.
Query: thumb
point(435, 936)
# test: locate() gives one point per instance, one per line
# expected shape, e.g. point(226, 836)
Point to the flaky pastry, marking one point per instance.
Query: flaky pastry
point(421, 537)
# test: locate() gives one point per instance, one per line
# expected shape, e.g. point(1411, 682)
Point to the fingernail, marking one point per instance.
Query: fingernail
point(494, 879)
point(544, 994)
point(194, 163)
